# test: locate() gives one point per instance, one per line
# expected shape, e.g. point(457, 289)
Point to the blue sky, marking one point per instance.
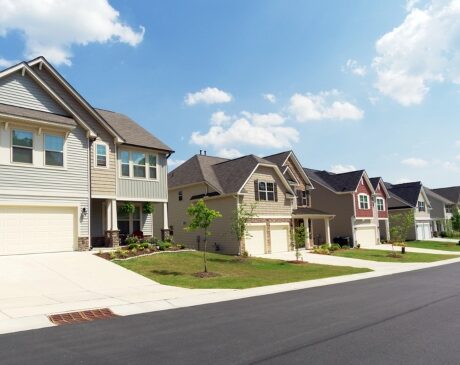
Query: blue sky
point(360, 84)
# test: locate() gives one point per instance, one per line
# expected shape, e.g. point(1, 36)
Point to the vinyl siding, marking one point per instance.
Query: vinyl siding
point(24, 92)
point(149, 190)
point(40, 184)
point(103, 180)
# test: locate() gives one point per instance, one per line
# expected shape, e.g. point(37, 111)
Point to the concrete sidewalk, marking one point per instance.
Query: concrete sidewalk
point(78, 281)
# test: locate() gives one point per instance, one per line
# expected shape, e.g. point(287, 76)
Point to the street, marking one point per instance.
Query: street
point(409, 318)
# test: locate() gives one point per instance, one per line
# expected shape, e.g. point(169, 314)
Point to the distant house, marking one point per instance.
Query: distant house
point(440, 212)
point(276, 185)
point(451, 193)
point(358, 203)
point(411, 198)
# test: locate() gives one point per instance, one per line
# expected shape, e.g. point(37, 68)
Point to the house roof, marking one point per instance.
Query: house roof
point(433, 195)
point(344, 182)
point(375, 181)
point(16, 111)
point(451, 193)
point(310, 211)
point(226, 176)
point(278, 158)
point(406, 193)
point(132, 132)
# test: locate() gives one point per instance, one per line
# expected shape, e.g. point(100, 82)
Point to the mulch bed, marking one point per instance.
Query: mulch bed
point(130, 254)
point(299, 262)
point(204, 275)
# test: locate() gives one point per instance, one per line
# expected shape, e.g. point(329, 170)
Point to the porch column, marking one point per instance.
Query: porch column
point(165, 234)
point(114, 217)
point(327, 230)
point(111, 230)
point(387, 229)
point(307, 234)
point(108, 215)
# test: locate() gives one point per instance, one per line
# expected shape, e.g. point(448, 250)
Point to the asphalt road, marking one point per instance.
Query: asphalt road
point(410, 318)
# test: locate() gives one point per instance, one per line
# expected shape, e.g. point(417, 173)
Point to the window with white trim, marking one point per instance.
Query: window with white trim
point(153, 167)
point(54, 150)
point(101, 155)
point(138, 159)
point(380, 204)
point(124, 161)
point(363, 201)
point(421, 206)
point(22, 143)
point(129, 223)
point(266, 191)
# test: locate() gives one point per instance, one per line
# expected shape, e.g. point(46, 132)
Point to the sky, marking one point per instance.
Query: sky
point(349, 85)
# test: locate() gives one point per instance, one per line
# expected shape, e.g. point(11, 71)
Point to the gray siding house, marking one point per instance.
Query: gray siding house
point(66, 167)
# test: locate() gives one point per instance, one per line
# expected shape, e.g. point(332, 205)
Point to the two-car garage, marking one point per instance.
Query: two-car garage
point(267, 239)
point(37, 229)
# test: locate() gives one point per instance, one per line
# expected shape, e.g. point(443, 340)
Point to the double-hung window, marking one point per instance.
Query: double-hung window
point(421, 206)
point(124, 158)
point(363, 201)
point(266, 191)
point(23, 146)
point(101, 155)
point(380, 204)
point(129, 223)
point(138, 164)
point(54, 150)
point(153, 167)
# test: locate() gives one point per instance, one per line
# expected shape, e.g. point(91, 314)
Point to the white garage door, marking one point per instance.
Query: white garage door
point(255, 243)
point(423, 231)
point(37, 229)
point(366, 236)
point(279, 238)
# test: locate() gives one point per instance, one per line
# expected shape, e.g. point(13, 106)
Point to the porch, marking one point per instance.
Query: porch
point(110, 225)
point(305, 217)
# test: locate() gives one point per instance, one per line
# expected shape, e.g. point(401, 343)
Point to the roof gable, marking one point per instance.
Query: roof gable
point(346, 182)
point(451, 193)
point(288, 159)
point(407, 193)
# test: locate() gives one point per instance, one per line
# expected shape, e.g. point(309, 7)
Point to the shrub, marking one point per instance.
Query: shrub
point(334, 247)
point(154, 241)
point(443, 234)
point(127, 208)
point(131, 240)
point(322, 250)
point(112, 255)
point(148, 208)
point(144, 245)
point(133, 246)
point(164, 245)
point(134, 251)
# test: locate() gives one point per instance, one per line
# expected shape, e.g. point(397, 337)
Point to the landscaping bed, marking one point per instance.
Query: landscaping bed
point(435, 245)
point(228, 272)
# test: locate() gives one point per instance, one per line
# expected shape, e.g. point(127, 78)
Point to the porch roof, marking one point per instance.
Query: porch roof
point(311, 213)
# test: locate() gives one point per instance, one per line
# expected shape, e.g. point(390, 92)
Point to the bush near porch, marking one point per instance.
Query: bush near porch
point(232, 272)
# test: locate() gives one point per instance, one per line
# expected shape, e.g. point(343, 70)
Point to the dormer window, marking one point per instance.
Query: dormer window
point(363, 201)
point(266, 191)
point(421, 206)
point(380, 204)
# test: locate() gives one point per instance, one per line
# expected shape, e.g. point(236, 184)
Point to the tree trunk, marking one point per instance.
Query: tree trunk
point(205, 248)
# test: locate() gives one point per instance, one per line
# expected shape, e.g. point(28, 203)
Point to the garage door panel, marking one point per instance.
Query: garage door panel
point(423, 231)
point(255, 242)
point(26, 229)
point(279, 238)
point(366, 236)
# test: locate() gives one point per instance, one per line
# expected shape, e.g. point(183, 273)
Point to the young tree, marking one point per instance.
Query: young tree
point(299, 240)
point(455, 219)
point(201, 218)
point(241, 217)
point(400, 224)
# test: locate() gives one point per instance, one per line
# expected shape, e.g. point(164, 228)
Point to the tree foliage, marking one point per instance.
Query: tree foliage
point(455, 219)
point(401, 224)
point(241, 217)
point(299, 240)
point(201, 218)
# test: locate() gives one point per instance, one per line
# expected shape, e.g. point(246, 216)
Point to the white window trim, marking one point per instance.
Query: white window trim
point(383, 204)
point(418, 206)
point(64, 151)
point(131, 166)
point(100, 143)
point(12, 146)
point(156, 166)
point(121, 164)
point(367, 199)
point(266, 190)
point(131, 220)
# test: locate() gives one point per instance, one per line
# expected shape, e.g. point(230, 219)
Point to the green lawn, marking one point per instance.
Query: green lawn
point(434, 245)
point(380, 255)
point(178, 269)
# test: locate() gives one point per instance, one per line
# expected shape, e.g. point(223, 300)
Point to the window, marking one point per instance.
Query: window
point(180, 196)
point(308, 198)
point(22, 144)
point(152, 166)
point(54, 150)
point(421, 206)
point(136, 220)
point(101, 155)
point(128, 224)
point(266, 191)
point(124, 158)
point(138, 164)
point(363, 201)
point(380, 204)
point(303, 198)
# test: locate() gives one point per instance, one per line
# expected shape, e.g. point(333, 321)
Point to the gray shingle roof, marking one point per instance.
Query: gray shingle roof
point(36, 114)
point(309, 211)
point(278, 158)
point(227, 176)
point(132, 132)
point(344, 182)
point(406, 193)
point(433, 195)
point(374, 181)
point(451, 193)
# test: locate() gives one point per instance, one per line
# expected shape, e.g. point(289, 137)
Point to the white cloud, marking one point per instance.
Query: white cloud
point(451, 166)
point(267, 119)
point(355, 68)
point(173, 163)
point(414, 162)
point(458, 157)
point(320, 106)
point(209, 95)
point(7, 63)
point(229, 153)
point(338, 169)
point(270, 97)
point(50, 28)
point(411, 4)
point(220, 118)
point(422, 50)
point(253, 130)
point(403, 180)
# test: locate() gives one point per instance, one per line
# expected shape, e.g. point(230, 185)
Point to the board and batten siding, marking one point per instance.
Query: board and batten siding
point(39, 184)
point(22, 91)
point(145, 189)
point(103, 180)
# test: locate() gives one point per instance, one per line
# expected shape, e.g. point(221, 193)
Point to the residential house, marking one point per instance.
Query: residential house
point(358, 203)
point(440, 212)
point(270, 184)
point(411, 198)
point(451, 193)
point(66, 166)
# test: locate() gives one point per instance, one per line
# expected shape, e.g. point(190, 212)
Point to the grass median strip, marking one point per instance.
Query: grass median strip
point(435, 245)
point(385, 256)
point(232, 272)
